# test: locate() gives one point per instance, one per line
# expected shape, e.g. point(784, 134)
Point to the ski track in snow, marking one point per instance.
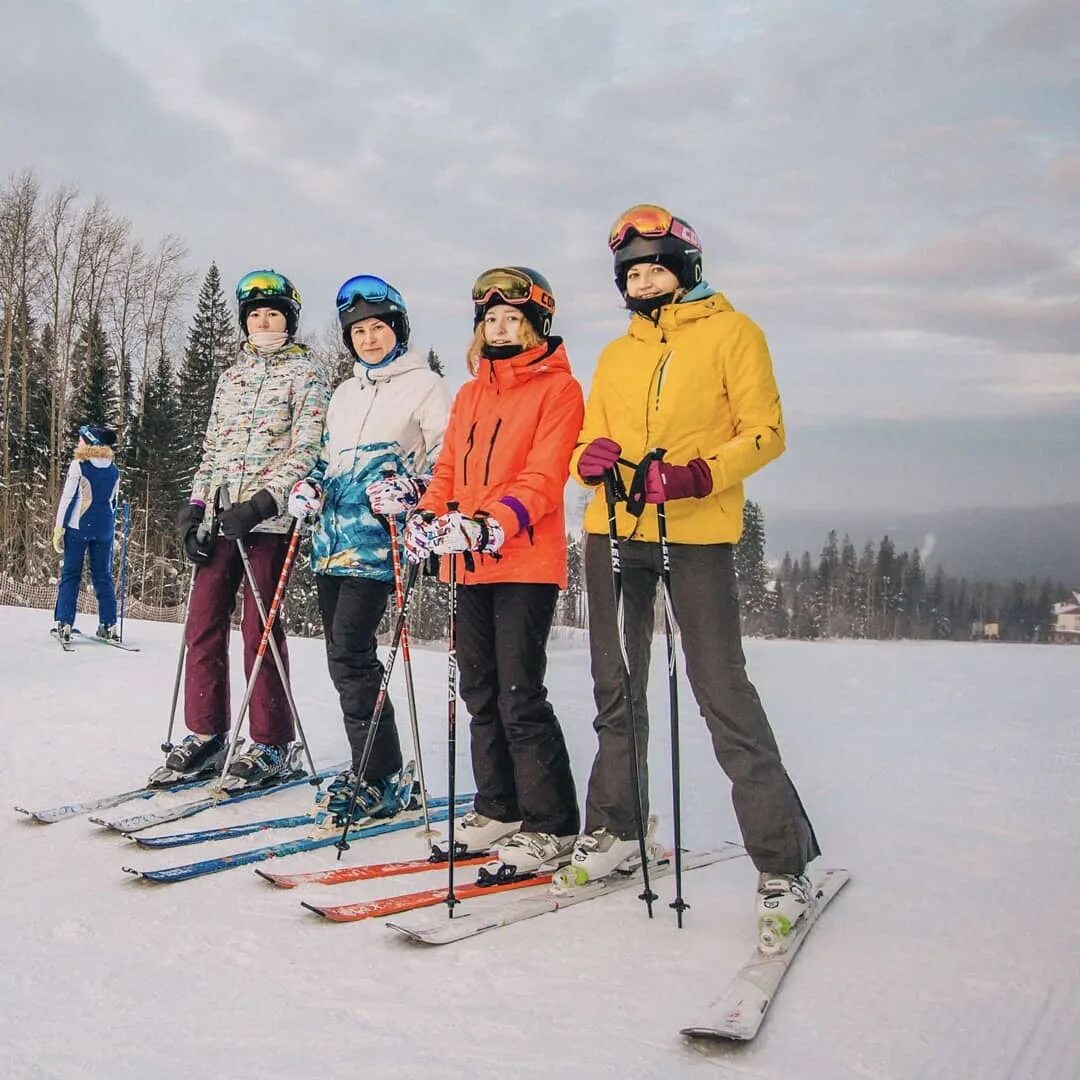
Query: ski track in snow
point(944, 776)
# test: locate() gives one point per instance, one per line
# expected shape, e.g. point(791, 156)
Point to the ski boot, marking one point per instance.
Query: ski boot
point(193, 759)
point(107, 632)
point(474, 834)
point(375, 799)
point(523, 855)
point(263, 765)
point(783, 901)
point(62, 630)
point(601, 853)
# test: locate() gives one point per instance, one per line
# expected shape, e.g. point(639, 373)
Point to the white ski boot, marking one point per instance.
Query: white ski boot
point(783, 901)
point(476, 834)
point(600, 853)
point(523, 854)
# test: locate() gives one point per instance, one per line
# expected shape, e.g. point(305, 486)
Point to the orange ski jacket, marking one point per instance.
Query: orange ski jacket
point(506, 452)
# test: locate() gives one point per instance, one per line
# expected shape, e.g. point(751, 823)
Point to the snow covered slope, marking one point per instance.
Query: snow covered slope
point(944, 776)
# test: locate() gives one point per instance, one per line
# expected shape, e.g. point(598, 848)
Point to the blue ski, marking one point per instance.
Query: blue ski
point(228, 832)
point(407, 819)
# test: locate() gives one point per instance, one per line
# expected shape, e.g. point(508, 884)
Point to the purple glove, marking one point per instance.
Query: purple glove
point(599, 456)
point(664, 482)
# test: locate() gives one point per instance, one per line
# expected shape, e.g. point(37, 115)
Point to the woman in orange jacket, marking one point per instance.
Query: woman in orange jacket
point(504, 461)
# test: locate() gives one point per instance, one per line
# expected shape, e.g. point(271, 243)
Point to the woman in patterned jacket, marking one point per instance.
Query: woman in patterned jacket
point(263, 436)
point(388, 418)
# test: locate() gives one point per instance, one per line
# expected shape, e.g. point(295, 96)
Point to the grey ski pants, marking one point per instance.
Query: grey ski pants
point(775, 828)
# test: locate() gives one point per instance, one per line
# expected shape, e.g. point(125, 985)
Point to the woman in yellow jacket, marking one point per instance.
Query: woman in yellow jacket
point(693, 376)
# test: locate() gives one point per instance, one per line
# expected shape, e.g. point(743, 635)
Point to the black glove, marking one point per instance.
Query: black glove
point(242, 517)
point(188, 520)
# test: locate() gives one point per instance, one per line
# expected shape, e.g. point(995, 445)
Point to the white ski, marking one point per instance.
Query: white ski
point(739, 1011)
point(472, 919)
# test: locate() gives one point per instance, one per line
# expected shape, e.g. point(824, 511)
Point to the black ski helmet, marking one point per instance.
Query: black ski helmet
point(369, 297)
point(650, 234)
point(519, 286)
point(268, 288)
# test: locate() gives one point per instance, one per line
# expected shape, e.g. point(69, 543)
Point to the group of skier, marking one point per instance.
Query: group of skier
point(479, 484)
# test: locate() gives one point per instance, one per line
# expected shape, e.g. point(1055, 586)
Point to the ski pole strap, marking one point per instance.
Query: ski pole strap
point(635, 499)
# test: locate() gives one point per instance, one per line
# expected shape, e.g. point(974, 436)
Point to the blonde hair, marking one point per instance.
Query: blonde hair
point(529, 339)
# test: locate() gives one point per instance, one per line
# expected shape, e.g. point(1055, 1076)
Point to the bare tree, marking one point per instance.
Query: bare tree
point(18, 246)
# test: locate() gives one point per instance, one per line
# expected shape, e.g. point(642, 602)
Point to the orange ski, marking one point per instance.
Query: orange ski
point(394, 905)
point(339, 874)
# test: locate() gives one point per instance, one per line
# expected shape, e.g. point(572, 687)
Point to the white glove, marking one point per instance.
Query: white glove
point(419, 536)
point(393, 495)
point(455, 532)
point(305, 500)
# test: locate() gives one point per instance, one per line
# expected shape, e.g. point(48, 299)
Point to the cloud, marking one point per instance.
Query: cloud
point(891, 192)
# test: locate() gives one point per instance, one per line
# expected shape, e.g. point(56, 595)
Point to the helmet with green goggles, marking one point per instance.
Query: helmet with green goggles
point(268, 288)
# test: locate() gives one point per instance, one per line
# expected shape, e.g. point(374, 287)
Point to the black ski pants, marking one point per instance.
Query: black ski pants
point(775, 828)
point(519, 757)
point(351, 609)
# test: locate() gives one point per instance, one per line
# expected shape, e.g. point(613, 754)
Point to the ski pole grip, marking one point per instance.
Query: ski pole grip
point(223, 498)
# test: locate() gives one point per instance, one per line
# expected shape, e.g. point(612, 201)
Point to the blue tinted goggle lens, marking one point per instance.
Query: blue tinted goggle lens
point(370, 289)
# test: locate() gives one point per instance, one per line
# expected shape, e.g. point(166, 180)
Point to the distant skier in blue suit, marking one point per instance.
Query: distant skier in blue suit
point(85, 523)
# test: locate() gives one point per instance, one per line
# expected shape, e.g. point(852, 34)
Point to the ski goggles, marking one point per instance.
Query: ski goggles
point(512, 286)
point(369, 289)
point(268, 284)
point(651, 221)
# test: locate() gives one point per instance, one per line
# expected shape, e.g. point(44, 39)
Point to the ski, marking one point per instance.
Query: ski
point(61, 813)
point(229, 832)
point(224, 832)
point(405, 820)
point(338, 875)
point(395, 905)
point(740, 1010)
point(482, 918)
point(217, 797)
point(105, 641)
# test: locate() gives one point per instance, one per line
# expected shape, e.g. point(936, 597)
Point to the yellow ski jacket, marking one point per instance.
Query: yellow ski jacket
point(698, 383)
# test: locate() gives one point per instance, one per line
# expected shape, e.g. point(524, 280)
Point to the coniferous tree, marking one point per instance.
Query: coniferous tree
point(210, 350)
point(157, 470)
point(751, 571)
point(435, 363)
point(96, 398)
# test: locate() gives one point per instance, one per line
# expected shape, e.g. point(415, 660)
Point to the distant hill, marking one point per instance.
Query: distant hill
point(990, 544)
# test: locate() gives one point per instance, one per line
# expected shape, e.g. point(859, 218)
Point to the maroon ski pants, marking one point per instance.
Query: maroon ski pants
point(206, 676)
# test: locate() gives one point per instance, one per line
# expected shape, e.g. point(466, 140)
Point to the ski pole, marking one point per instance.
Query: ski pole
point(268, 639)
point(679, 904)
point(612, 494)
point(451, 718)
point(380, 701)
point(203, 534)
point(124, 565)
point(410, 690)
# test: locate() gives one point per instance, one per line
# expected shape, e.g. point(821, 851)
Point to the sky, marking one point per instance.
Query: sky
point(891, 191)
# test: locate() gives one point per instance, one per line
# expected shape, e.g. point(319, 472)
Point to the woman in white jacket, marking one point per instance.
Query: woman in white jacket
point(390, 416)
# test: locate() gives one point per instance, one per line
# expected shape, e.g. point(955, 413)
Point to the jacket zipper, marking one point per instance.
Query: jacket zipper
point(491, 447)
point(465, 459)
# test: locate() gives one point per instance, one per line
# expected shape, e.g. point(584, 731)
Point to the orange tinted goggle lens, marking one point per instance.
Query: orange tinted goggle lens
point(645, 220)
point(513, 287)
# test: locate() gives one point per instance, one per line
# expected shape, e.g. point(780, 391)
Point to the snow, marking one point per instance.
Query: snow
point(943, 775)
